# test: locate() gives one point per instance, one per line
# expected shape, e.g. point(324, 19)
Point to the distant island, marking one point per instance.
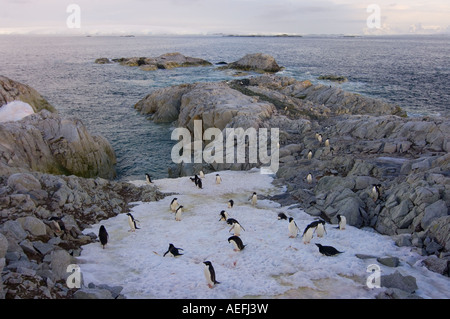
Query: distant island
point(284, 35)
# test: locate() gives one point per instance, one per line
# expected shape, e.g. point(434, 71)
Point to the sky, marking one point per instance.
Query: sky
point(138, 17)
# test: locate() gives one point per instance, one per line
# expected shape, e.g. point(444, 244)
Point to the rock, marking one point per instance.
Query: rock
point(334, 78)
point(389, 261)
point(33, 225)
point(439, 229)
point(3, 247)
point(436, 210)
point(394, 293)
point(438, 265)
point(60, 259)
point(46, 142)
point(258, 62)
point(95, 293)
point(103, 61)
point(13, 229)
point(11, 90)
point(23, 182)
point(165, 61)
point(397, 280)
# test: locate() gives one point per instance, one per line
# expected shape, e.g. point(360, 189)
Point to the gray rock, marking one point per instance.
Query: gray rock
point(256, 62)
point(23, 182)
point(3, 245)
point(394, 293)
point(43, 248)
point(397, 280)
point(94, 293)
point(389, 261)
point(12, 228)
point(438, 265)
point(33, 225)
point(60, 259)
point(403, 240)
point(434, 211)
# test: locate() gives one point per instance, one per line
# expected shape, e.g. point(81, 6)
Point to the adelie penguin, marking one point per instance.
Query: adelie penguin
point(320, 228)
point(103, 236)
point(218, 179)
point(132, 222)
point(237, 243)
point(210, 274)
point(236, 228)
point(148, 178)
point(342, 222)
point(173, 251)
point(230, 203)
point(309, 155)
point(58, 224)
point(293, 228)
point(223, 216)
point(254, 199)
point(376, 193)
point(178, 213)
point(201, 174)
point(328, 250)
point(199, 183)
point(282, 216)
point(309, 178)
point(174, 205)
point(308, 233)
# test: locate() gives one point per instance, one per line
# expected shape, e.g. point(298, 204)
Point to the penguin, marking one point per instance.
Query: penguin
point(342, 222)
point(173, 251)
point(218, 179)
point(308, 233)
point(254, 199)
point(103, 235)
point(194, 179)
point(148, 178)
point(328, 250)
point(310, 154)
point(293, 228)
point(282, 216)
point(237, 243)
point(199, 183)
point(230, 203)
point(236, 228)
point(309, 178)
point(320, 228)
point(174, 205)
point(201, 174)
point(223, 216)
point(58, 223)
point(132, 222)
point(178, 213)
point(319, 137)
point(210, 274)
point(327, 142)
point(375, 194)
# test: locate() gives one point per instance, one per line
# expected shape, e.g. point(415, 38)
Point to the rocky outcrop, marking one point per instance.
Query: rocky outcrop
point(11, 90)
point(165, 61)
point(258, 62)
point(34, 253)
point(45, 142)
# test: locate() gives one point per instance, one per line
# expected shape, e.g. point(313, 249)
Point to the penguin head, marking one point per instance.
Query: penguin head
point(291, 219)
point(207, 263)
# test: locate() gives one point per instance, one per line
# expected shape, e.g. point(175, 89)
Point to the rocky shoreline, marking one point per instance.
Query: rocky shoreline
point(52, 167)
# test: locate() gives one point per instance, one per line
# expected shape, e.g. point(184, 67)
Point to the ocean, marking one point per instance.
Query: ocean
point(410, 71)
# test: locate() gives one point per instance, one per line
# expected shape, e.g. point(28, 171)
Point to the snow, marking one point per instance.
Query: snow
point(272, 265)
point(15, 111)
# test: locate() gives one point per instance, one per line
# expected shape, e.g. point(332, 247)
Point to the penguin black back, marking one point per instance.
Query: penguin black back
point(328, 250)
point(103, 236)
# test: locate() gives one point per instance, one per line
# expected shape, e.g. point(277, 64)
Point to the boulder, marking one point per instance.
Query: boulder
point(23, 182)
point(397, 280)
point(33, 225)
point(436, 210)
point(3, 246)
point(258, 62)
point(11, 90)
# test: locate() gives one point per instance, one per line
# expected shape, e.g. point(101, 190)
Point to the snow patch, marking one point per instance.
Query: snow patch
point(15, 111)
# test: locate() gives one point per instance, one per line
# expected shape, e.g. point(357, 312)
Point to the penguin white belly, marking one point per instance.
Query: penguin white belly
point(293, 230)
point(178, 215)
point(173, 206)
point(131, 223)
point(320, 230)
point(308, 235)
point(208, 277)
point(237, 229)
point(254, 200)
point(343, 223)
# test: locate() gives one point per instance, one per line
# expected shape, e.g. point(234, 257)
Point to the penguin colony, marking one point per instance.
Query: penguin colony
point(316, 227)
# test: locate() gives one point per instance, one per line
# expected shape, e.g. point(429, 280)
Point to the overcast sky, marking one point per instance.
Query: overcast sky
point(225, 16)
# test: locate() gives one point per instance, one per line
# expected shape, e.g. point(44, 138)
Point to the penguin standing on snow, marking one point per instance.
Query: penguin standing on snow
point(148, 178)
point(218, 179)
point(236, 228)
point(328, 250)
point(293, 228)
point(201, 174)
point(223, 216)
point(178, 213)
point(173, 251)
point(254, 199)
point(199, 183)
point(132, 222)
point(210, 274)
point(237, 243)
point(320, 228)
point(308, 233)
point(174, 205)
point(230, 203)
point(103, 236)
point(282, 216)
point(342, 222)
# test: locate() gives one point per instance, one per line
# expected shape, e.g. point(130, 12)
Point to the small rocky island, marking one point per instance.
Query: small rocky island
point(166, 61)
